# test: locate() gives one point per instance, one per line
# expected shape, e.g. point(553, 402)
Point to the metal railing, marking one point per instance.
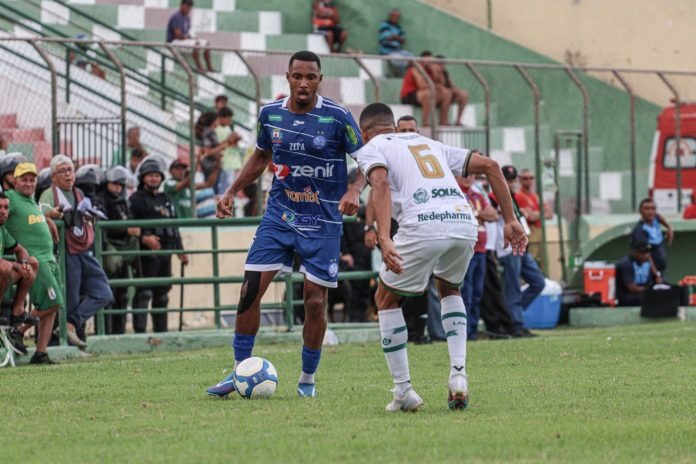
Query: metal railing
point(217, 276)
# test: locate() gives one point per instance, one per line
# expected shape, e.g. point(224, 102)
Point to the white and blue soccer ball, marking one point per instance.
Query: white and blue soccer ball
point(255, 378)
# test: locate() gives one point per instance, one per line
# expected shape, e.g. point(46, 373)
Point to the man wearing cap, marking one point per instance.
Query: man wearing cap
point(112, 200)
point(26, 221)
point(634, 273)
point(178, 191)
point(87, 289)
point(148, 203)
point(516, 267)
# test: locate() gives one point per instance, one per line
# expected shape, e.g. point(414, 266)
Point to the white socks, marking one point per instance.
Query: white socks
point(392, 326)
point(454, 322)
point(306, 378)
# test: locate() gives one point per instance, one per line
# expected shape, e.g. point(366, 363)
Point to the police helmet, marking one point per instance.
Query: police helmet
point(90, 174)
point(118, 175)
point(10, 162)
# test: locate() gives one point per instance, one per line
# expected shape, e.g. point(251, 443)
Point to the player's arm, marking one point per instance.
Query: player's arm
point(370, 234)
point(513, 230)
point(252, 170)
point(22, 265)
point(381, 199)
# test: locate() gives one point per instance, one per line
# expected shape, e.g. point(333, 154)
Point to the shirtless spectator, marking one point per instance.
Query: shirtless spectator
point(459, 96)
point(325, 19)
point(415, 90)
point(179, 33)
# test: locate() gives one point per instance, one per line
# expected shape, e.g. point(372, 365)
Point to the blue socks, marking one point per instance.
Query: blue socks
point(242, 345)
point(310, 362)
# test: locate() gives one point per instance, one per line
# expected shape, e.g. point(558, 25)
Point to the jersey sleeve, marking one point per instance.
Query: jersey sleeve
point(457, 159)
point(370, 157)
point(46, 201)
point(352, 141)
point(263, 141)
point(10, 242)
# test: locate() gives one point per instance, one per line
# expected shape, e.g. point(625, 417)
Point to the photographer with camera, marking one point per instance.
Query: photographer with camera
point(87, 289)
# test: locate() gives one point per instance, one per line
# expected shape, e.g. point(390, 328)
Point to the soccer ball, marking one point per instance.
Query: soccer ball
point(255, 378)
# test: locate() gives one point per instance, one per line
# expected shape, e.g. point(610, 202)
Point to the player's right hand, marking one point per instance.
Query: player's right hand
point(515, 236)
point(371, 239)
point(224, 206)
point(390, 257)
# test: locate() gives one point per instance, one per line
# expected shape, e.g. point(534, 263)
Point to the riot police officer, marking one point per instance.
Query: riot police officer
point(148, 203)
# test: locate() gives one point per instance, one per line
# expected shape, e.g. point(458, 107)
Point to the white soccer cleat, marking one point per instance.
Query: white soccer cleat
point(458, 392)
point(410, 401)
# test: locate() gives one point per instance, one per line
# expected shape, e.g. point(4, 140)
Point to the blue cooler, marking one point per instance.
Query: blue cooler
point(545, 310)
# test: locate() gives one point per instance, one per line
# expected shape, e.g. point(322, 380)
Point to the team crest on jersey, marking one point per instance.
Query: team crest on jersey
point(276, 136)
point(319, 142)
point(51, 293)
point(421, 196)
point(333, 270)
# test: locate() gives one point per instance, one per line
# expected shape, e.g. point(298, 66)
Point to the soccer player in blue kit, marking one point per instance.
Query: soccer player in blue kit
point(307, 138)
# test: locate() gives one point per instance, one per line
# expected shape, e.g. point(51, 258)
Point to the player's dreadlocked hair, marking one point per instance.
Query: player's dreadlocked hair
point(376, 114)
point(305, 55)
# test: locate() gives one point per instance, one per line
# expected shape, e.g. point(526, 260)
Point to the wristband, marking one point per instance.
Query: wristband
point(368, 227)
point(23, 261)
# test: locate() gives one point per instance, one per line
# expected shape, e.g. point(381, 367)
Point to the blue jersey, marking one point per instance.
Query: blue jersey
point(309, 160)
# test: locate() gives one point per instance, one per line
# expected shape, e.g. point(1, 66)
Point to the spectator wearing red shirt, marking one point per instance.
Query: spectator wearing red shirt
point(415, 91)
point(472, 289)
point(325, 19)
point(528, 202)
point(690, 211)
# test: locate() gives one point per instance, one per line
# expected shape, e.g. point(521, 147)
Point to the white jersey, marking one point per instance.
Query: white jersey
point(426, 199)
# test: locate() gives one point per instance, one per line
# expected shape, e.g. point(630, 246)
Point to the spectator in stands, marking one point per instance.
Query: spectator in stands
point(87, 290)
point(407, 123)
point(85, 57)
point(391, 41)
point(325, 19)
point(112, 200)
point(37, 234)
point(415, 91)
point(21, 272)
point(7, 168)
point(232, 157)
point(148, 203)
point(635, 272)
point(459, 96)
point(649, 229)
point(179, 33)
point(472, 288)
point(136, 157)
point(690, 211)
point(221, 101)
point(528, 202)
point(177, 187)
point(211, 148)
point(516, 268)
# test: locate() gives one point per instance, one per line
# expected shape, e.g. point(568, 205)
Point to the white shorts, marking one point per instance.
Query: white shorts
point(446, 258)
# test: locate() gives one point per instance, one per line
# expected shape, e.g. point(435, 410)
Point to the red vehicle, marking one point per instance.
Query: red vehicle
point(663, 160)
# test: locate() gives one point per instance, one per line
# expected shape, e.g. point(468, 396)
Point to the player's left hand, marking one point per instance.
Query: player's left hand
point(515, 236)
point(392, 259)
point(349, 203)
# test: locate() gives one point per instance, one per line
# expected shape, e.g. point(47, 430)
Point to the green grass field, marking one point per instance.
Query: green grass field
point(596, 395)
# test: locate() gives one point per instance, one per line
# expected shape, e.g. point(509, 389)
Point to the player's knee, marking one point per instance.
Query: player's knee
point(250, 291)
point(314, 305)
point(5, 269)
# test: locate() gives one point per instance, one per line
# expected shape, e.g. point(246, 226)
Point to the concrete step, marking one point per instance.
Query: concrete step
point(604, 317)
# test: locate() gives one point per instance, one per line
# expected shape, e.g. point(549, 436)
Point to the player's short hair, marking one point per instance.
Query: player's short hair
point(376, 114)
point(221, 97)
point(187, 2)
point(644, 201)
point(305, 55)
point(225, 112)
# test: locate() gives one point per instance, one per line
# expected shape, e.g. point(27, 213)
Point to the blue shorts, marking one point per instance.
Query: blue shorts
point(274, 245)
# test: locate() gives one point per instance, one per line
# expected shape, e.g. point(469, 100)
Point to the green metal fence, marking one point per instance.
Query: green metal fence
point(217, 275)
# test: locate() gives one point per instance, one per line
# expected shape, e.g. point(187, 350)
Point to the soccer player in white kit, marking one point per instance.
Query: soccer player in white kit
point(413, 181)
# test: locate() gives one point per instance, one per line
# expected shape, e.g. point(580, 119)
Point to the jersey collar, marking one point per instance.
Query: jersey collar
point(320, 102)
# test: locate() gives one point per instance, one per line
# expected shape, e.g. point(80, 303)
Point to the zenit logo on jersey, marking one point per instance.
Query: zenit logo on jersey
point(282, 171)
point(308, 156)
